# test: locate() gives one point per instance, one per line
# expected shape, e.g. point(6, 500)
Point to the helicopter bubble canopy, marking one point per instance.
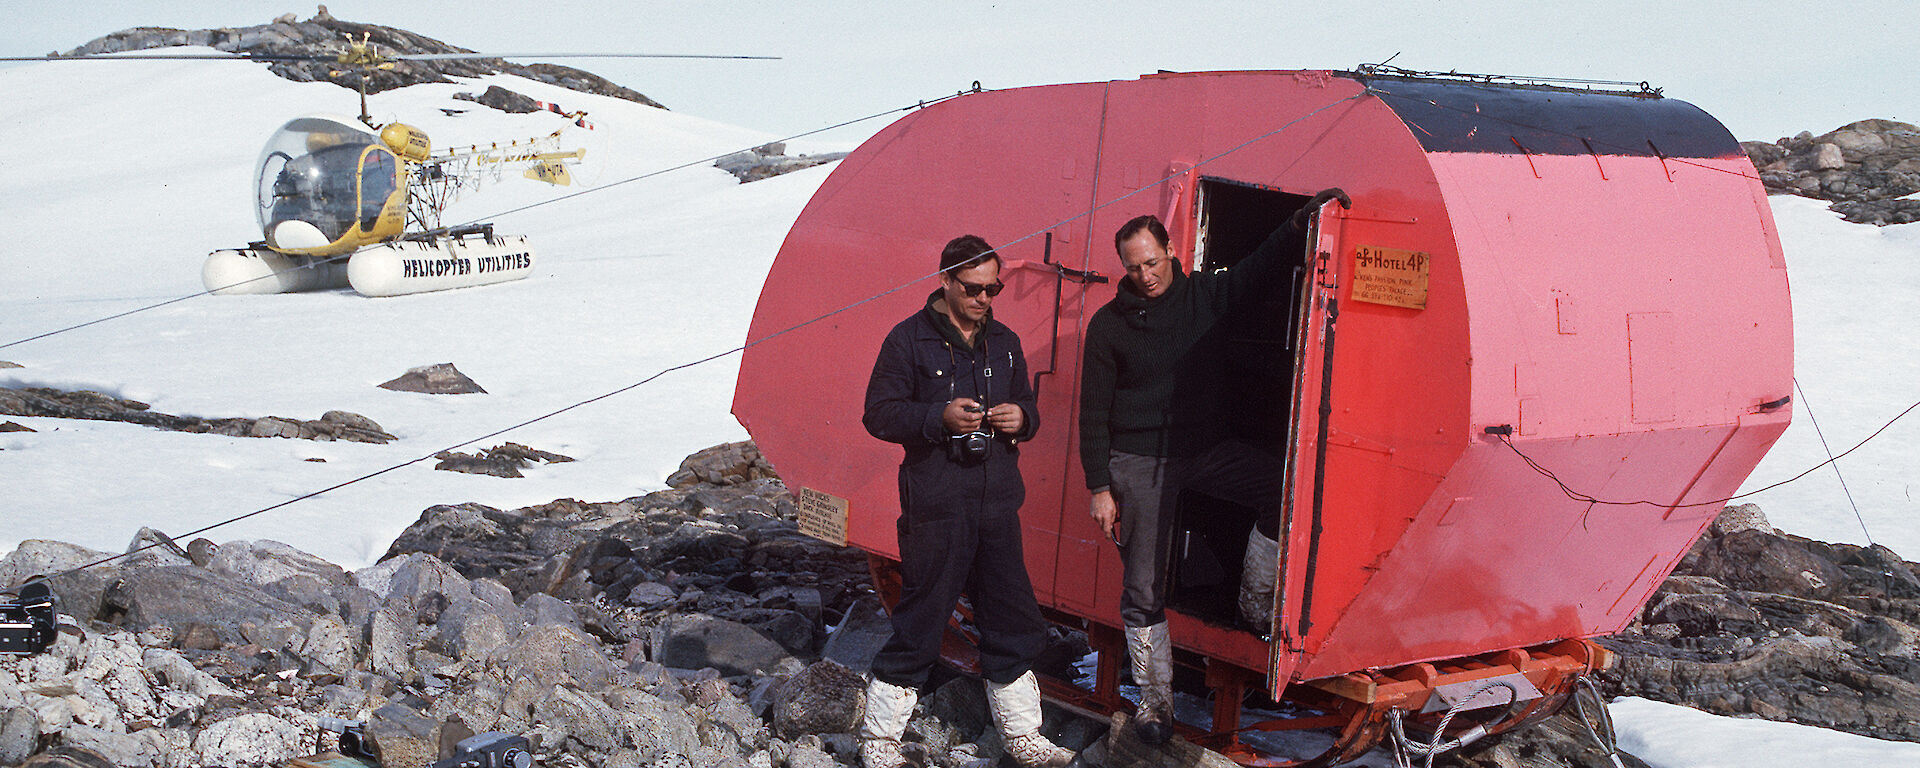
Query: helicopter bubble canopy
point(322, 186)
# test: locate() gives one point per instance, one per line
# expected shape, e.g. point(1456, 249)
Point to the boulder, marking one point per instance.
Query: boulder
point(504, 460)
point(136, 750)
point(19, 734)
point(179, 595)
point(697, 640)
point(66, 756)
point(556, 654)
point(256, 739)
point(725, 464)
point(262, 562)
point(438, 379)
point(826, 697)
point(404, 736)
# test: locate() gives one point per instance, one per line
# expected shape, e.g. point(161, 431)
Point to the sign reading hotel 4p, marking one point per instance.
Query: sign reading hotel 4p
point(1391, 276)
point(822, 516)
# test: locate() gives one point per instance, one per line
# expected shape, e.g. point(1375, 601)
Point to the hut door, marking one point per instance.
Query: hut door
point(1317, 315)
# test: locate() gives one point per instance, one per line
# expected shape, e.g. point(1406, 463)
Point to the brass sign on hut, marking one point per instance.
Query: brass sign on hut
point(1391, 276)
point(822, 516)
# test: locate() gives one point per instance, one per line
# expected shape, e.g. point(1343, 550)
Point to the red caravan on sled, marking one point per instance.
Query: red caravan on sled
point(1596, 274)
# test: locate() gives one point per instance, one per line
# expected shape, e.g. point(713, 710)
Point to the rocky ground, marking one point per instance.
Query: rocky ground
point(324, 35)
point(691, 627)
point(1863, 168)
point(54, 403)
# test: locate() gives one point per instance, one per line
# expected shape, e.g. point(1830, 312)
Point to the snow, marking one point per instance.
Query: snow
point(120, 179)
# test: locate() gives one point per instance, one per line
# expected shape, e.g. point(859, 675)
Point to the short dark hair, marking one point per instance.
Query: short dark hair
point(965, 251)
point(1148, 222)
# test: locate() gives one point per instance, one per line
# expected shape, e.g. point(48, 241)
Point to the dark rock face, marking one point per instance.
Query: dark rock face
point(1754, 623)
point(40, 401)
point(325, 36)
point(1863, 168)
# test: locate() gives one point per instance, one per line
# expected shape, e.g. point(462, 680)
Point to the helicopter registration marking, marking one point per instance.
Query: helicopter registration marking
point(823, 516)
point(1391, 276)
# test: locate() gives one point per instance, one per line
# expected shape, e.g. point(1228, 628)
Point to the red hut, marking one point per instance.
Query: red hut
point(1543, 300)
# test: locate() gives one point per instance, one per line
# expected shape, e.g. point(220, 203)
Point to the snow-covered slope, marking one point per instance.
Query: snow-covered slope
point(121, 178)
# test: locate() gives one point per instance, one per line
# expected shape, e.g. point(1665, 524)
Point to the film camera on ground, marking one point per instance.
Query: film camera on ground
point(27, 621)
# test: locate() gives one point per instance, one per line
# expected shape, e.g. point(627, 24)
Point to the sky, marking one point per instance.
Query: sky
point(1765, 68)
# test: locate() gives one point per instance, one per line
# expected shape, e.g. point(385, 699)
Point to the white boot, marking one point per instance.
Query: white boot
point(888, 708)
point(1016, 709)
point(1150, 650)
point(1258, 570)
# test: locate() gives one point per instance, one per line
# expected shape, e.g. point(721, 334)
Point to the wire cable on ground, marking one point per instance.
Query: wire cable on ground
point(319, 262)
point(1582, 497)
point(710, 358)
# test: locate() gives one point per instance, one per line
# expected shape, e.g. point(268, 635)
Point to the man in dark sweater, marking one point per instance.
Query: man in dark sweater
point(1134, 348)
point(951, 387)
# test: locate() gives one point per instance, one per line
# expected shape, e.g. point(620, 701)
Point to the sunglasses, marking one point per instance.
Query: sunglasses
point(992, 289)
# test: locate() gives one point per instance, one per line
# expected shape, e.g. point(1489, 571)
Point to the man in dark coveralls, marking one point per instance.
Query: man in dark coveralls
point(1134, 348)
point(951, 387)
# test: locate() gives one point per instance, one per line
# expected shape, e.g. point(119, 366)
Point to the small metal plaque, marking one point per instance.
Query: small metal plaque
point(1391, 276)
point(1516, 688)
point(822, 516)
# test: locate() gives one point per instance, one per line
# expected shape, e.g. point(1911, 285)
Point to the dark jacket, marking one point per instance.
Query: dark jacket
point(1136, 346)
point(924, 363)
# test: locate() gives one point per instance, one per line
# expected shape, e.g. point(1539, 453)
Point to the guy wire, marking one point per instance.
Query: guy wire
point(1836, 465)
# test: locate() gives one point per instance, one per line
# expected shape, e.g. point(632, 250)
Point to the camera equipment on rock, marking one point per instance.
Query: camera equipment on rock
point(27, 621)
point(492, 749)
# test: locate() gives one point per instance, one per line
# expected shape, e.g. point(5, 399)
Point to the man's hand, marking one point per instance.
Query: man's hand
point(1006, 418)
point(1105, 513)
point(1312, 206)
point(962, 415)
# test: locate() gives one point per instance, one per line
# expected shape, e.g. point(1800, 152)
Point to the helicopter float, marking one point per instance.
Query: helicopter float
point(344, 202)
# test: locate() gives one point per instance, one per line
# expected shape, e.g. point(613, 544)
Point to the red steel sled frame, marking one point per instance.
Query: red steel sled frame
point(1356, 707)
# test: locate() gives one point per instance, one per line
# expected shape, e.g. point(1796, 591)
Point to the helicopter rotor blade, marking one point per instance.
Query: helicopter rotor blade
point(451, 56)
point(157, 56)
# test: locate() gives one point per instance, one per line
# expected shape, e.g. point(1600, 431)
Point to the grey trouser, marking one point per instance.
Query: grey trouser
point(1144, 491)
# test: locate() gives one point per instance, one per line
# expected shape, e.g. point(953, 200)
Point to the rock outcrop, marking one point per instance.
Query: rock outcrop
point(59, 404)
point(1755, 623)
point(325, 36)
point(688, 627)
point(769, 160)
point(1863, 168)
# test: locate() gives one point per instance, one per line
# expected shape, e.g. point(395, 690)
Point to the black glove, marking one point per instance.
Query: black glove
point(1330, 193)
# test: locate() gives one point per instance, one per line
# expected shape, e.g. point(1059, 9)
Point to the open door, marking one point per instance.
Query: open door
point(1317, 316)
point(1232, 403)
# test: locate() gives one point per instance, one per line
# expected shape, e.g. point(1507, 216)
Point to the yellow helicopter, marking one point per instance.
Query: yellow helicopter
point(335, 197)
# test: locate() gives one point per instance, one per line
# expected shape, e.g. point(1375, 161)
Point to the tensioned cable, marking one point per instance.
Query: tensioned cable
point(710, 358)
point(319, 262)
point(1582, 497)
point(1836, 465)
